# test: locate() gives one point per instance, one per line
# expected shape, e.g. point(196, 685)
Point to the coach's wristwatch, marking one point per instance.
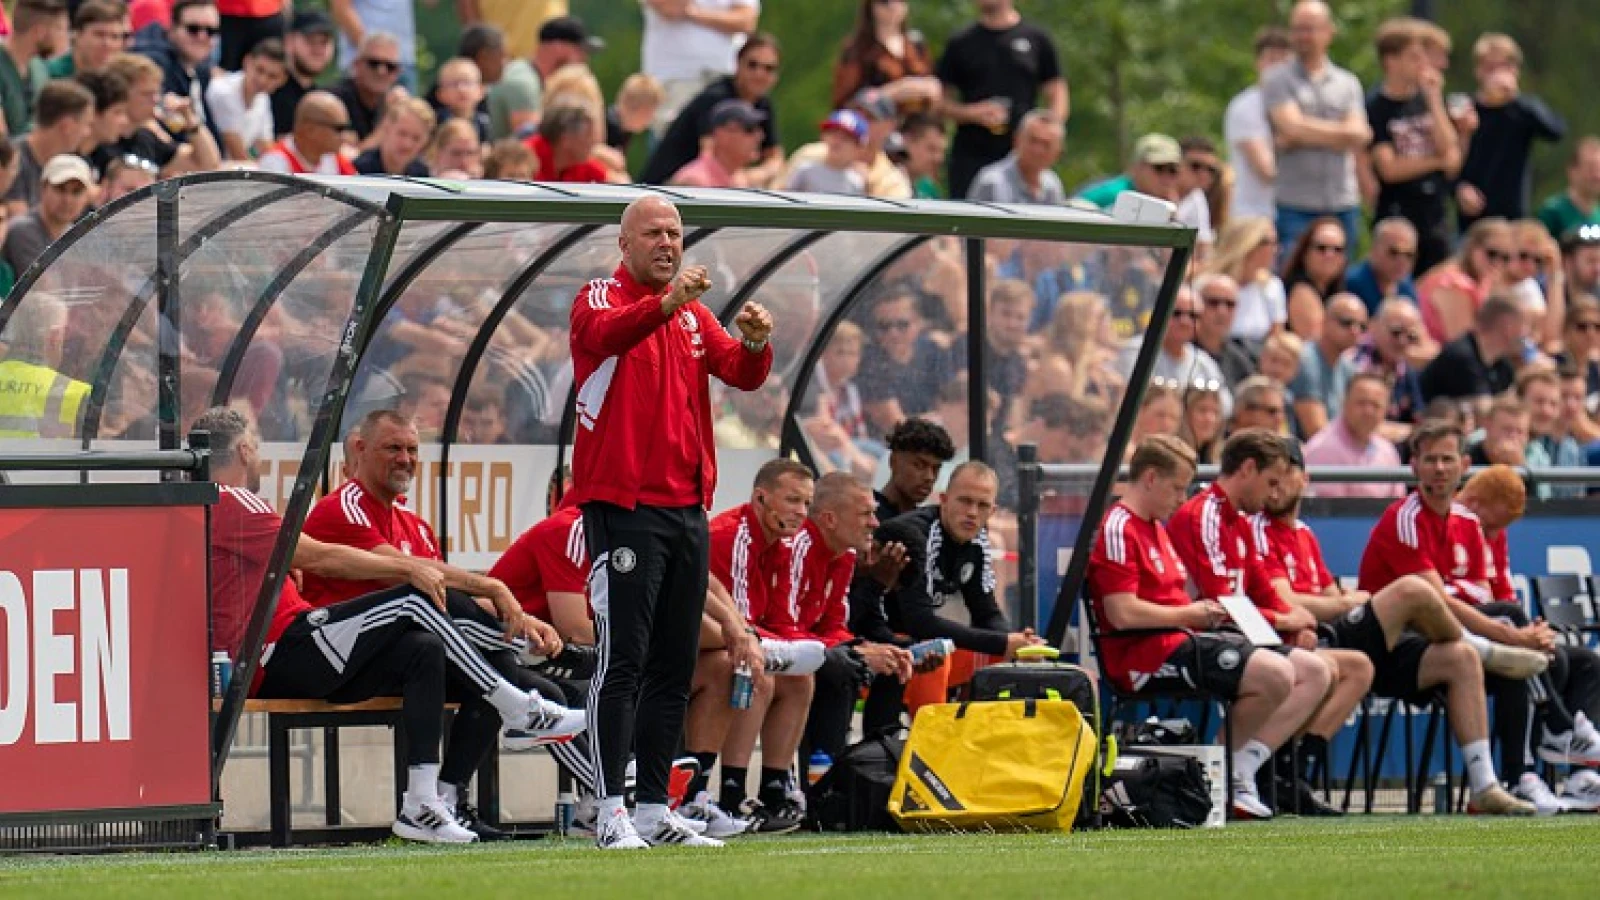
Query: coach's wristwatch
point(754, 346)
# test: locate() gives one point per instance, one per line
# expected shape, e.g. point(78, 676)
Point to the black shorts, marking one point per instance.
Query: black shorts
point(1397, 670)
point(1211, 663)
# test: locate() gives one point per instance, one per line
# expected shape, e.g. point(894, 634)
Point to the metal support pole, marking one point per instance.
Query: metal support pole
point(169, 372)
point(1028, 534)
point(977, 346)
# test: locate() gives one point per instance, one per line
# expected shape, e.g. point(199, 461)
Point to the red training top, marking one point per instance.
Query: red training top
point(1497, 568)
point(753, 569)
point(644, 395)
point(353, 517)
point(819, 588)
point(587, 172)
point(1213, 539)
point(1410, 539)
point(550, 557)
point(1292, 552)
point(1134, 556)
point(243, 530)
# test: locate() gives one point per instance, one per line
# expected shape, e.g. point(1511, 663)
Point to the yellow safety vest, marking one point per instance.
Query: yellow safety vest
point(38, 402)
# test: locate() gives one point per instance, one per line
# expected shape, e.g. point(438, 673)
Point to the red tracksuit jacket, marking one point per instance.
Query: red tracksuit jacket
point(644, 398)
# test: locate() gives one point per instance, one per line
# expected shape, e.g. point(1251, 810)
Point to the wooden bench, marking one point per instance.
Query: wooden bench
point(286, 716)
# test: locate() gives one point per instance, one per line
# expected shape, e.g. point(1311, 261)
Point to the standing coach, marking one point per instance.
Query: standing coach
point(644, 471)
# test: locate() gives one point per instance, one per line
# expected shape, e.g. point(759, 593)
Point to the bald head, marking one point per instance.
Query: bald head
point(1344, 324)
point(319, 122)
point(1311, 30)
point(651, 239)
point(1310, 11)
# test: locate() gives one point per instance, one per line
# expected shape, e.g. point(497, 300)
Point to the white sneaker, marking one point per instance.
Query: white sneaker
point(547, 723)
point(430, 821)
point(672, 829)
point(1533, 789)
point(718, 824)
point(1582, 791)
point(1247, 801)
point(1514, 663)
point(792, 657)
point(616, 832)
point(1570, 748)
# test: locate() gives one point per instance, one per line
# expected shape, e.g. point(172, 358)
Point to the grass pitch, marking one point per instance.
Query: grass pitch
point(1364, 856)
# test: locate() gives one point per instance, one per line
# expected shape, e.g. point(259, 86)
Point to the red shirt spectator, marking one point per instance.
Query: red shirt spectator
point(754, 570)
point(243, 531)
point(586, 172)
point(1135, 556)
point(285, 157)
point(1410, 539)
point(352, 516)
point(1497, 568)
point(1213, 539)
point(1291, 552)
point(819, 588)
point(621, 344)
point(550, 557)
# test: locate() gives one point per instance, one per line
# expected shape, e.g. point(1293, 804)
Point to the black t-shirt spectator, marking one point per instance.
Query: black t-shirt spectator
point(1459, 372)
point(284, 100)
point(1497, 159)
point(363, 119)
point(1407, 127)
point(681, 144)
point(370, 162)
point(981, 64)
point(915, 384)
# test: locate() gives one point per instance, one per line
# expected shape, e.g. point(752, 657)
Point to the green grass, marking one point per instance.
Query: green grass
point(1378, 856)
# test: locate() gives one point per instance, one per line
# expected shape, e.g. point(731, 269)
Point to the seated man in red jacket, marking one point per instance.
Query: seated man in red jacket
point(1213, 538)
point(824, 553)
point(1136, 582)
point(750, 554)
point(547, 567)
point(398, 641)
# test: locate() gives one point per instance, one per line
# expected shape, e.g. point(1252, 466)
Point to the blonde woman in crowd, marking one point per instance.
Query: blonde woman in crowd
point(1245, 250)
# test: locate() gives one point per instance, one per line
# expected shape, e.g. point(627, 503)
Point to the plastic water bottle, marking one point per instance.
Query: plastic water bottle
point(221, 673)
point(817, 766)
point(566, 810)
point(936, 647)
point(744, 687)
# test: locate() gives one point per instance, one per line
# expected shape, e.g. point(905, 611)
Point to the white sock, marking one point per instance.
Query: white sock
point(422, 782)
point(511, 702)
point(449, 794)
point(1247, 760)
point(609, 807)
point(1476, 642)
point(646, 816)
point(1480, 766)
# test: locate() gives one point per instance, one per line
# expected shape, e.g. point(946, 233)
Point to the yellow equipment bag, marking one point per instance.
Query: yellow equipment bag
point(994, 766)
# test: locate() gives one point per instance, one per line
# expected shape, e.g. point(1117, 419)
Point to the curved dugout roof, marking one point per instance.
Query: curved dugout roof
point(291, 293)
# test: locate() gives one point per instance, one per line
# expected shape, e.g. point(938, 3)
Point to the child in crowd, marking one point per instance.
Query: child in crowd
point(840, 172)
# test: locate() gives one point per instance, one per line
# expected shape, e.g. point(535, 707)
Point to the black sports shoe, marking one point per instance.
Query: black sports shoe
point(1299, 798)
point(575, 662)
point(467, 816)
point(781, 819)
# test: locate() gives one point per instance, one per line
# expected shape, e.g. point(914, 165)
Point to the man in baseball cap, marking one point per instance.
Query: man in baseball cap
point(66, 191)
point(516, 99)
point(570, 30)
point(308, 45)
point(1152, 171)
point(734, 143)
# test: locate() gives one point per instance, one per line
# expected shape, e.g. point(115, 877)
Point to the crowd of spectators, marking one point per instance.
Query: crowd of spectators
point(1468, 297)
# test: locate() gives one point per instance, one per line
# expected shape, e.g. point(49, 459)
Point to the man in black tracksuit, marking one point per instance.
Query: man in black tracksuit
point(947, 559)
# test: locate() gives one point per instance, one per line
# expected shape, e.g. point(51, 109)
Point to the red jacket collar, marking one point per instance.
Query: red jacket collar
point(632, 288)
point(1228, 510)
point(758, 536)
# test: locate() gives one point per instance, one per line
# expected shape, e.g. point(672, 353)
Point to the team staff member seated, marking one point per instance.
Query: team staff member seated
point(750, 553)
point(1212, 536)
point(837, 532)
point(1137, 581)
point(918, 449)
point(644, 471)
point(1413, 544)
point(946, 559)
point(1567, 695)
point(396, 641)
point(545, 569)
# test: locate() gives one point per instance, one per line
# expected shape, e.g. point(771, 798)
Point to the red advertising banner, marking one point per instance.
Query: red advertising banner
point(104, 669)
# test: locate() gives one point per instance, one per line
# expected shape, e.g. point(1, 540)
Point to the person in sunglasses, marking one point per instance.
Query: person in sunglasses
point(364, 91)
point(1153, 171)
point(184, 52)
point(320, 122)
point(1451, 293)
point(1387, 270)
point(1385, 351)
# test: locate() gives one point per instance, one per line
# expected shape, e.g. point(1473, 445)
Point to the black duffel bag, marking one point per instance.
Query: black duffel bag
point(1156, 790)
point(854, 794)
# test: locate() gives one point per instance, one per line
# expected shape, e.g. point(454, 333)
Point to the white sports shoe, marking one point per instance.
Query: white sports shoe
point(1247, 801)
point(792, 657)
point(616, 832)
point(1572, 748)
point(718, 824)
point(547, 723)
point(1582, 791)
point(430, 821)
point(673, 830)
point(1531, 788)
point(1515, 663)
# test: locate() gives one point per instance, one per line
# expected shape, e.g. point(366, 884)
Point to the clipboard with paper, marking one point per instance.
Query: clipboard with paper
point(1242, 610)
